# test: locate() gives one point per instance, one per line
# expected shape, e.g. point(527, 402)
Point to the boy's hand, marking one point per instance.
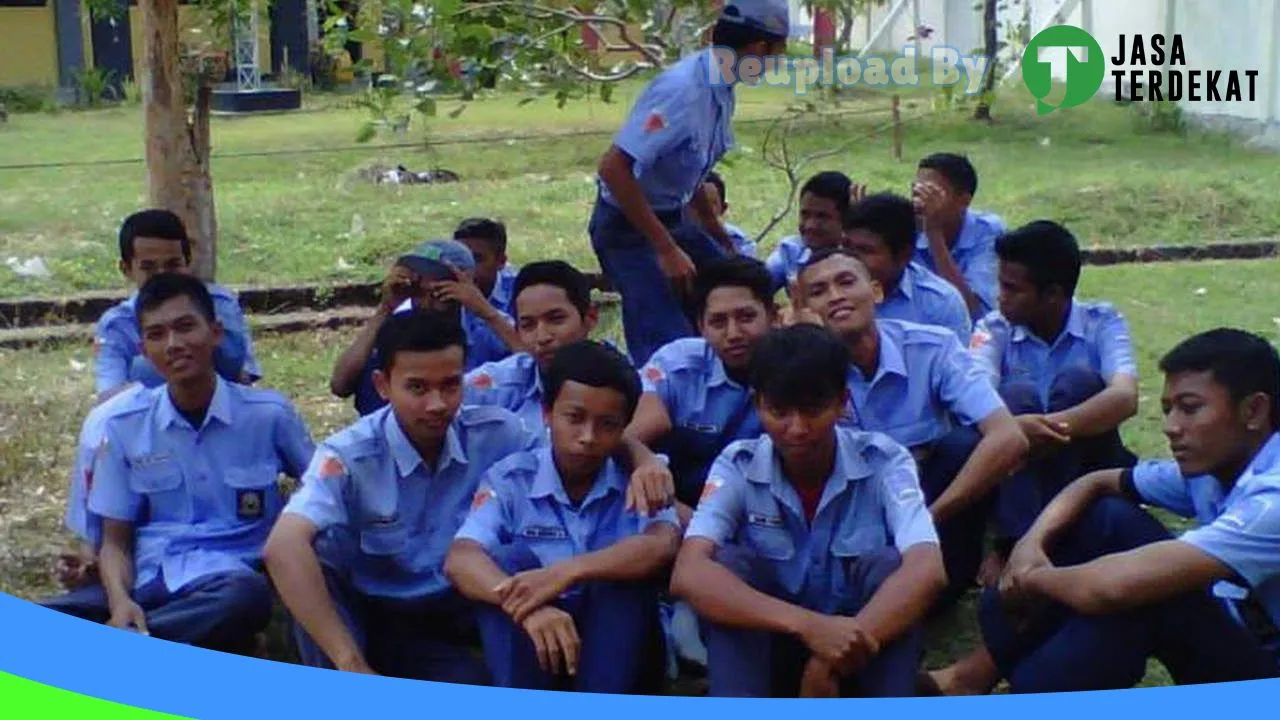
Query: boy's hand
point(400, 285)
point(930, 201)
point(75, 570)
point(652, 488)
point(820, 680)
point(128, 615)
point(555, 639)
point(524, 593)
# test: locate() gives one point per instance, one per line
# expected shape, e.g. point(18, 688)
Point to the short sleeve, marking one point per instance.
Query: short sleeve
point(293, 442)
point(1115, 348)
point(954, 316)
point(322, 496)
point(656, 378)
point(986, 347)
point(487, 521)
point(1245, 537)
point(723, 503)
point(905, 511)
point(1160, 483)
point(110, 496)
point(658, 122)
point(776, 264)
point(236, 350)
point(112, 355)
point(480, 387)
point(961, 385)
point(666, 515)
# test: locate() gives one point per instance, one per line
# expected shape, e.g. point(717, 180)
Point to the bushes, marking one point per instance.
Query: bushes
point(27, 98)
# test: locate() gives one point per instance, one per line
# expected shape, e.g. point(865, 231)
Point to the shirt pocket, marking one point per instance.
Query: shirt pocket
point(864, 540)
point(255, 491)
point(384, 541)
point(768, 537)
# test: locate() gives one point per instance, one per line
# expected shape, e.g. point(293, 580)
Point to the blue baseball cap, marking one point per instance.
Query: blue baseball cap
point(432, 259)
point(767, 16)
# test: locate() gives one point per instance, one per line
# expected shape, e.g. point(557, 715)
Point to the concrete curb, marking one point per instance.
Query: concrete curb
point(292, 308)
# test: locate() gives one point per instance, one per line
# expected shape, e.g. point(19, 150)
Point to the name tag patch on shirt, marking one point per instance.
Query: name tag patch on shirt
point(250, 504)
point(763, 520)
point(702, 427)
point(902, 487)
point(544, 532)
point(1243, 516)
point(144, 462)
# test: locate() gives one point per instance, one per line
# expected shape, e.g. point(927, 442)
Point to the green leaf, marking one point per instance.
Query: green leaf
point(426, 106)
point(363, 35)
point(367, 131)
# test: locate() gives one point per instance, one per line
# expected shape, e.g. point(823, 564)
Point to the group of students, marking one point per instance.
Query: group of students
point(779, 492)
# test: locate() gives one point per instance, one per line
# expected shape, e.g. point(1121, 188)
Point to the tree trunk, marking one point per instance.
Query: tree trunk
point(991, 41)
point(176, 149)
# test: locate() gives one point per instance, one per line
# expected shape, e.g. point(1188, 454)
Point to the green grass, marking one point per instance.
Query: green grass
point(44, 394)
point(291, 218)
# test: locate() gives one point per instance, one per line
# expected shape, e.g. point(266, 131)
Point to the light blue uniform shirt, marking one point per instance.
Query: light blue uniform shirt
point(522, 501)
point(1240, 527)
point(707, 409)
point(79, 520)
point(513, 383)
point(924, 298)
point(202, 501)
point(503, 297)
point(118, 344)
point(745, 246)
point(787, 258)
point(396, 515)
point(924, 384)
point(872, 500)
point(1096, 338)
point(975, 255)
point(680, 126)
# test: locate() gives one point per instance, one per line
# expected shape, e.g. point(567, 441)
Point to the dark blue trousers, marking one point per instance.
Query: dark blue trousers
point(652, 313)
point(415, 638)
point(1054, 649)
point(616, 623)
point(962, 534)
point(1026, 493)
point(223, 612)
point(754, 663)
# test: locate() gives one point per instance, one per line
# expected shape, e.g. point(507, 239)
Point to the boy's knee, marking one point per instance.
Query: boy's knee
point(1022, 397)
point(1073, 386)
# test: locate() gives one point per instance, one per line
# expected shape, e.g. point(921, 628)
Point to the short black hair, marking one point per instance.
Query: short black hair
point(1047, 250)
point(490, 231)
point(736, 36)
point(889, 216)
point(955, 168)
point(556, 273)
point(163, 287)
point(737, 271)
point(159, 224)
point(418, 330)
point(827, 253)
point(1240, 361)
point(800, 367)
point(832, 185)
point(714, 178)
point(593, 364)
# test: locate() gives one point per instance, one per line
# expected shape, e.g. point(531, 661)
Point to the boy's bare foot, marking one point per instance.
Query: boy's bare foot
point(975, 674)
point(991, 569)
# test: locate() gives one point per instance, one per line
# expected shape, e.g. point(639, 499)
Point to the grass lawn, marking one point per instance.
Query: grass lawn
point(45, 393)
point(306, 217)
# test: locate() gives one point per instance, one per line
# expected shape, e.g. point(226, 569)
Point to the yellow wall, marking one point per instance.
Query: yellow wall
point(30, 46)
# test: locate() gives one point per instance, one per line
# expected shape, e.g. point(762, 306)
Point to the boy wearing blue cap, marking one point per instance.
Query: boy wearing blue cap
point(646, 243)
point(437, 276)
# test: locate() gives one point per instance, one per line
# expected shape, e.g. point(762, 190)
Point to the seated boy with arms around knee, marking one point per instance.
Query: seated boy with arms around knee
point(811, 557)
point(566, 577)
point(1097, 586)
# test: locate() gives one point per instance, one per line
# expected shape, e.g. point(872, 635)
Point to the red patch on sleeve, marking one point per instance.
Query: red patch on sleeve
point(481, 498)
point(709, 488)
point(482, 381)
point(332, 467)
point(653, 373)
point(979, 338)
point(655, 122)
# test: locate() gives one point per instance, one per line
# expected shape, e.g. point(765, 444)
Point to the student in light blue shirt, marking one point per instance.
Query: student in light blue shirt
point(954, 241)
point(1097, 586)
point(824, 200)
point(151, 242)
point(811, 557)
point(487, 240)
point(1065, 367)
point(553, 309)
point(185, 486)
point(715, 188)
point(680, 127)
point(565, 575)
point(437, 275)
point(880, 230)
point(918, 385)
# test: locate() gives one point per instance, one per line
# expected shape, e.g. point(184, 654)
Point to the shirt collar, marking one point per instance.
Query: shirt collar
point(907, 283)
point(891, 360)
point(1264, 463)
point(548, 483)
point(766, 465)
point(406, 455)
point(1074, 326)
point(219, 406)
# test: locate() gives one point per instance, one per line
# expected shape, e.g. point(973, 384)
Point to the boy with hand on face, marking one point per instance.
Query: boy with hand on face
point(955, 242)
point(811, 557)
point(715, 190)
point(436, 276)
point(184, 486)
point(566, 576)
point(487, 240)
